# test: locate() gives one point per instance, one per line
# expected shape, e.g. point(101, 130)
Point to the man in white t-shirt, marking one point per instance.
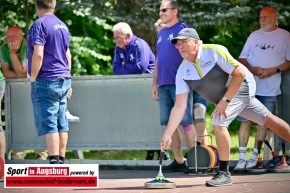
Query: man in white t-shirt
point(266, 54)
point(210, 70)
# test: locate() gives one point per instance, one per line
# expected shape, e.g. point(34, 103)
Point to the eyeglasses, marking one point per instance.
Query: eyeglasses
point(179, 45)
point(120, 37)
point(165, 9)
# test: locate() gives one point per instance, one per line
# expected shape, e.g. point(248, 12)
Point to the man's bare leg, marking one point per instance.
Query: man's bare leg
point(63, 138)
point(201, 130)
point(223, 141)
point(52, 143)
point(190, 136)
point(244, 134)
point(176, 146)
point(278, 126)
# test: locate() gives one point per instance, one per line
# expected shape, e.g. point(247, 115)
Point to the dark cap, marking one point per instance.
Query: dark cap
point(184, 34)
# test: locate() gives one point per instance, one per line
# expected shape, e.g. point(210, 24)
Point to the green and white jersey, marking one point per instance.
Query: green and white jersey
point(21, 54)
point(210, 74)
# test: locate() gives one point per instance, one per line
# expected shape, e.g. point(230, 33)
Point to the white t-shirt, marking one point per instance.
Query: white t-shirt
point(267, 50)
point(210, 74)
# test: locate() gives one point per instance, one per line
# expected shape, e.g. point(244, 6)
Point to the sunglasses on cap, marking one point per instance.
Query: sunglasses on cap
point(165, 9)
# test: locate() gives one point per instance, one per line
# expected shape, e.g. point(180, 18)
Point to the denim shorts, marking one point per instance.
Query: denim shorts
point(166, 103)
point(49, 104)
point(268, 101)
point(250, 108)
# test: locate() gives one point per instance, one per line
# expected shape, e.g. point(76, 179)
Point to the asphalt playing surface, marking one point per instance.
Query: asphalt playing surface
point(112, 181)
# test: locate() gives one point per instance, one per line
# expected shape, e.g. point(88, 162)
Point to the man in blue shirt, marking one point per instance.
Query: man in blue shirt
point(167, 63)
point(132, 54)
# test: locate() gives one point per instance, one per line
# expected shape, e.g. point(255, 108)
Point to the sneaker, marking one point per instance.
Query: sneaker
point(251, 163)
point(273, 163)
point(283, 163)
point(175, 167)
point(71, 118)
point(241, 165)
point(259, 165)
point(221, 178)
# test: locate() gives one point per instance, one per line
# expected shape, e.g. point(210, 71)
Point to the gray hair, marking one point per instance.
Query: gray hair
point(123, 27)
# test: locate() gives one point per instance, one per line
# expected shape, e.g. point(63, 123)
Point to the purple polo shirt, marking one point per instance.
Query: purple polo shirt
point(53, 34)
point(137, 59)
point(169, 57)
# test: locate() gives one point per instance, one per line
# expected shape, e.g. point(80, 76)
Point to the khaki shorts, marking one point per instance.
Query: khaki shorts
point(250, 108)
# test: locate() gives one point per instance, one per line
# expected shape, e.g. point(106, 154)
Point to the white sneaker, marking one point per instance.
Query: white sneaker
point(71, 118)
point(241, 165)
point(251, 163)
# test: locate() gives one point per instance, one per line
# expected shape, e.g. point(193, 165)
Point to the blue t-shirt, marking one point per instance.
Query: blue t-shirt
point(53, 34)
point(169, 57)
point(137, 59)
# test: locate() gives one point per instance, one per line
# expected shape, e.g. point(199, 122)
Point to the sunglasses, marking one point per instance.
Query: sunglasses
point(165, 9)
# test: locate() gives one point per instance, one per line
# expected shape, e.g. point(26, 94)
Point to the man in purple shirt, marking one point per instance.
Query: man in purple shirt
point(49, 63)
point(168, 60)
point(132, 54)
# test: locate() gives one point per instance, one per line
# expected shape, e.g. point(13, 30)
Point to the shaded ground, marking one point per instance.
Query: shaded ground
point(112, 181)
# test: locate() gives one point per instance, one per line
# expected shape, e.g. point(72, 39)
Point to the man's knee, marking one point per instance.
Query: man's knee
point(199, 111)
point(218, 129)
point(187, 127)
point(270, 120)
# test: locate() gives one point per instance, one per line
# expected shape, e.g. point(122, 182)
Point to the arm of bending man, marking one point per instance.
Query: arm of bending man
point(175, 118)
point(238, 76)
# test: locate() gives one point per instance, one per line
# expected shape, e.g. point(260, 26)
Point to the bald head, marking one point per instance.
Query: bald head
point(14, 33)
point(268, 19)
point(270, 10)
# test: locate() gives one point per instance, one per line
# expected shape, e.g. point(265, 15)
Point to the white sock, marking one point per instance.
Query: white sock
point(255, 154)
point(243, 151)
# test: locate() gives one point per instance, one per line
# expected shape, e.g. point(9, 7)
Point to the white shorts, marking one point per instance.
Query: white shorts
point(250, 108)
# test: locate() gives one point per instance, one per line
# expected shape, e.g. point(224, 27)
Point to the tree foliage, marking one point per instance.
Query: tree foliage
point(227, 22)
point(91, 43)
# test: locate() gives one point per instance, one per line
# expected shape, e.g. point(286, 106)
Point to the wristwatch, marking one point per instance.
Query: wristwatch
point(225, 99)
point(278, 70)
